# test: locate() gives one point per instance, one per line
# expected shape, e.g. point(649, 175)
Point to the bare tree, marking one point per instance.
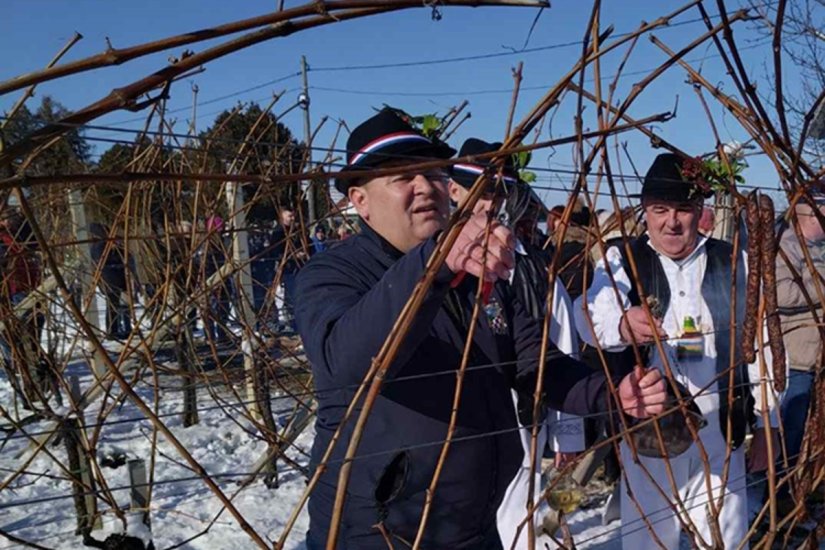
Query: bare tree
point(801, 24)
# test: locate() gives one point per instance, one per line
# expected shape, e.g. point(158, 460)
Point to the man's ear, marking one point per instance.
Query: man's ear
point(359, 197)
point(455, 191)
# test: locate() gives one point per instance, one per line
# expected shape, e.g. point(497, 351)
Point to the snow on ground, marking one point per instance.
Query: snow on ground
point(40, 509)
point(38, 506)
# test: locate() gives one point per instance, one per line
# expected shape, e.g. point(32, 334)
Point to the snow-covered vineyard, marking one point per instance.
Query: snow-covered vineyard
point(37, 501)
point(38, 506)
point(576, 304)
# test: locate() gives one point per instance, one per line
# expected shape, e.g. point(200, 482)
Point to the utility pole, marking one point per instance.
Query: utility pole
point(194, 111)
point(303, 101)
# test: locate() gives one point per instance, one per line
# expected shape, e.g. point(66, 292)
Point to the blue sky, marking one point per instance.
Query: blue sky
point(31, 31)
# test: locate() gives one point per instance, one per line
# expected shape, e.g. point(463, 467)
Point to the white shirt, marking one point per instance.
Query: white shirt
point(685, 278)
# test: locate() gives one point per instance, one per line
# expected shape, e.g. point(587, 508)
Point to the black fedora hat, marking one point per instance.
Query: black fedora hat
point(466, 173)
point(385, 137)
point(675, 178)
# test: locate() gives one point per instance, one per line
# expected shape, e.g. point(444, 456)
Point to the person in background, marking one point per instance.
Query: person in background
point(319, 239)
point(344, 232)
point(20, 275)
point(263, 264)
point(292, 255)
point(575, 267)
point(109, 256)
point(553, 218)
point(530, 285)
point(707, 221)
point(212, 255)
point(795, 284)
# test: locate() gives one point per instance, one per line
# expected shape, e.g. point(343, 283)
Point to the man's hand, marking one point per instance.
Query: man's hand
point(635, 321)
point(561, 459)
point(467, 253)
point(758, 458)
point(643, 393)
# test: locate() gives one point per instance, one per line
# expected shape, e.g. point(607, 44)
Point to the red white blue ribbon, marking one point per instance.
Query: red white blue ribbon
point(478, 170)
point(385, 141)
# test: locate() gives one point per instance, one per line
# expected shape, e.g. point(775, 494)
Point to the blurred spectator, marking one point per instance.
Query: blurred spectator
point(319, 239)
point(212, 255)
point(108, 256)
point(20, 341)
point(553, 217)
point(292, 255)
point(263, 265)
point(803, 340)
point(573, 256)
point(344, 231)
point(707, 221)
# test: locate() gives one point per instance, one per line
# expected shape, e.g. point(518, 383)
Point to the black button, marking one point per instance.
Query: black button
point(681, 293)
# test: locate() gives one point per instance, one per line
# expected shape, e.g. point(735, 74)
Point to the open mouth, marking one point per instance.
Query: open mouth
point(425, 209)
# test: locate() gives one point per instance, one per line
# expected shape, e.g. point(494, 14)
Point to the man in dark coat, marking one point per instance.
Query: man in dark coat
point(262, 269)
point(292, 255)
point(113, 281)
point(212, 256)
point(349, 299)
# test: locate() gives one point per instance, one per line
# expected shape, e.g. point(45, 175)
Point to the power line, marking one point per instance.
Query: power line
point(413, 63)
point(472, 437)
point(490, 55)
point(510, 90)
point(351, 387)
point(185, 148)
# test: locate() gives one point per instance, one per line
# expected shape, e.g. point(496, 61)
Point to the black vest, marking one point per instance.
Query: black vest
point(716, 291)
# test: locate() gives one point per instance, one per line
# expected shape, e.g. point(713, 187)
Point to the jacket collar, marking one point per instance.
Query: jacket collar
point(371, 234)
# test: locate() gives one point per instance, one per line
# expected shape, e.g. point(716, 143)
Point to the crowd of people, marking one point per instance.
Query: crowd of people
point(685, 474)
point(639, 330)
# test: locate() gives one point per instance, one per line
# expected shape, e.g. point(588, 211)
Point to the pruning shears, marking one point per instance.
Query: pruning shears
point(508, 208)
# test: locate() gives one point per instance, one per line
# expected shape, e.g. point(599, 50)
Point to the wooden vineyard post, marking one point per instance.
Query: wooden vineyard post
point(139, 493)
point(87, 268)
point(183, 351)
point(240, 257)
point(83, 487)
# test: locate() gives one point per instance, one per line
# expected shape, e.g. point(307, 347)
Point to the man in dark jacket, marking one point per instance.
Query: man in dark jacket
point(349, 299)
point(291, 253)
point(113, 280)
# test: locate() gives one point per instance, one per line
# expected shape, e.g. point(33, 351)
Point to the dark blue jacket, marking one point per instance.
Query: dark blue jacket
point(348, 299)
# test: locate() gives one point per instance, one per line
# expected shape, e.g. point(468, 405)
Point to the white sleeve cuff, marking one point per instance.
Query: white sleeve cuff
point(566, 432)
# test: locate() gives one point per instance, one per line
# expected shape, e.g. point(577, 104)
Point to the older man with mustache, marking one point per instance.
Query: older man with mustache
point(689, 278)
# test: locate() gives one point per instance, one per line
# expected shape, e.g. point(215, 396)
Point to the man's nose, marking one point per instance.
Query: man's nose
point(423, 185)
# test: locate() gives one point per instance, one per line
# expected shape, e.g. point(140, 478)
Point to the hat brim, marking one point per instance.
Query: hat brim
point(680, 193)
point(413, 152)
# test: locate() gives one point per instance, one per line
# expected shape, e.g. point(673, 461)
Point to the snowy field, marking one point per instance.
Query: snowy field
point(38, 506)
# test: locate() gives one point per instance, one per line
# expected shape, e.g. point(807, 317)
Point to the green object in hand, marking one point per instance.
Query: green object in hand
point(689, 325)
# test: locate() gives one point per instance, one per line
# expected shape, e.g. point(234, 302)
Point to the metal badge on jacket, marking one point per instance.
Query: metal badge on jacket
point(495, 317)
